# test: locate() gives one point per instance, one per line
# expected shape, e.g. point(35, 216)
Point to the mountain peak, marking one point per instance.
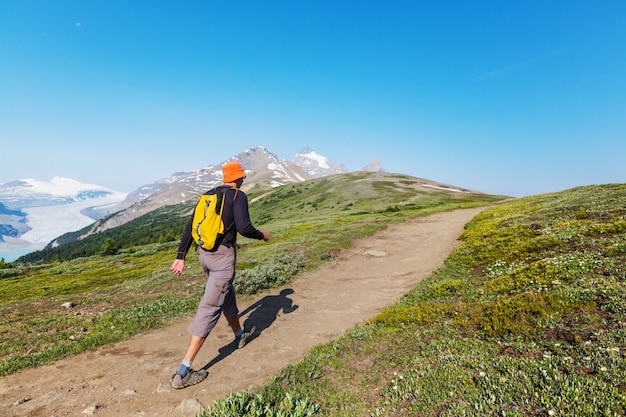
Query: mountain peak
point(317, 165)
point(374, 166)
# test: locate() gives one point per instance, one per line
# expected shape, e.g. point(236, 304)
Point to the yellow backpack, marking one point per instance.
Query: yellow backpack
point(207, 226)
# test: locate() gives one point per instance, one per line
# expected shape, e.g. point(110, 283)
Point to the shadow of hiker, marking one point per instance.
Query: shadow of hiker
point(265, 311)
point(262, 314)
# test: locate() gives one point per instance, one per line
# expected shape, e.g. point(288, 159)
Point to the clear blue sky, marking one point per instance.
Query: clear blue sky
point(504, 97)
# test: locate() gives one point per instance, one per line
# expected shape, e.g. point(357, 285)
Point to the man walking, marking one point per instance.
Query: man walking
point(219, 267)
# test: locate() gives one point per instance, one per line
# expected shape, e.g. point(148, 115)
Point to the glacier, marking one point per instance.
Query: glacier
point(51, 208)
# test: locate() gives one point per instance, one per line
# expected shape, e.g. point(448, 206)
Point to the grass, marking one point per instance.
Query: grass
point(132, 291)
point(526, 318)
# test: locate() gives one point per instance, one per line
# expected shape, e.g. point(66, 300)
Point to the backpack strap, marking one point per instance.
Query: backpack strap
point(219, 203)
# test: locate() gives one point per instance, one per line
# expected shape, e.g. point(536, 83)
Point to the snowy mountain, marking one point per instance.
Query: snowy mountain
point(317, 165)
point(147, 190)
point(263, 169)
point(33, 212)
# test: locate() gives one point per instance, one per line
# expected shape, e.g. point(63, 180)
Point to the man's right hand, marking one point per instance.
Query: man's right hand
point(178, 266)
point(266, 235)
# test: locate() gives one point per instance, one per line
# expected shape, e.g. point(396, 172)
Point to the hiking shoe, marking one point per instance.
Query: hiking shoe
point(192, 378)
point(245, 337)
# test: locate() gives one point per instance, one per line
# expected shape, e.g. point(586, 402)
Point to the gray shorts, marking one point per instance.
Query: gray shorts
point(219, 293)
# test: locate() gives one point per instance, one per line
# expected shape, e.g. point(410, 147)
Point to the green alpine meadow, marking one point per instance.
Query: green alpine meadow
point(527, 317)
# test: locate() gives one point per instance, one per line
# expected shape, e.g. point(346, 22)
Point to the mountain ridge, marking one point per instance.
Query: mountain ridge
point(263, 168)
point(264, 172)
point(357, 193)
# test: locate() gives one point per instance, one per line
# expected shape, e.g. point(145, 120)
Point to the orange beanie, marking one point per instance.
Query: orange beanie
point(233, 171)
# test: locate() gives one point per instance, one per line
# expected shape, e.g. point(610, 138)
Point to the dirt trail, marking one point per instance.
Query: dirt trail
point(132, 378)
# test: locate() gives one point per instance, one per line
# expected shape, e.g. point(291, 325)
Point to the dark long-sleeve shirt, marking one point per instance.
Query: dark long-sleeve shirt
point(236, 220)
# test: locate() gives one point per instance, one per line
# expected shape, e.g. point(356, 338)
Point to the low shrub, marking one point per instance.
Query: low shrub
point(246, 404)
point(277, 270)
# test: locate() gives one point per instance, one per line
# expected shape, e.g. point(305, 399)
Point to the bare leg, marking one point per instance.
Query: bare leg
point(234, 324)
point(195, 344)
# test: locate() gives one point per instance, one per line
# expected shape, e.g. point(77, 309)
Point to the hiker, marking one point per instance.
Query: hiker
point(219, 267)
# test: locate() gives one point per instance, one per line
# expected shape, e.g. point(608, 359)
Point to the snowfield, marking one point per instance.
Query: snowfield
point(50, 222)
point(52, 209)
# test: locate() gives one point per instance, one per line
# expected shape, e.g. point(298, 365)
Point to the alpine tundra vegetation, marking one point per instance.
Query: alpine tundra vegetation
point(526, 317)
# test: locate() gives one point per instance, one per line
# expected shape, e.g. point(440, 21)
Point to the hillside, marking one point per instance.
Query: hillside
point(309, 222)
point(131, 378)
point(36, 214)
point(264, 171)
point(346, 194)
point(524, 318)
